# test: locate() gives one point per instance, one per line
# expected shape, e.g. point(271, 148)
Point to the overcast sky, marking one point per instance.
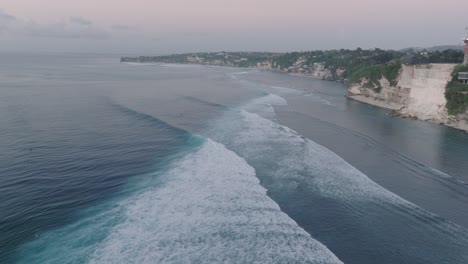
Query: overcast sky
point(169, 26)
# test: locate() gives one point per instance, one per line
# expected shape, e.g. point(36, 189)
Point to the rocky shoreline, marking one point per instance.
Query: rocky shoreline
point(418, 93)
point(375, 102)
point(398, 110)
point(392, 98)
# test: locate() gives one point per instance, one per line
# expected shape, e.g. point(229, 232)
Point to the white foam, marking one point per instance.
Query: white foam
point(305, 160)
point(326, 102)
point(264, 106)
point(285, 90)
point(211, 209)
point(288, 163)
point(241, 73)
point(319, 98)
point(234, 75)
point(296, 158)
point(137, 64)
point(161, 64)
point(270, 99)
point(179, 65)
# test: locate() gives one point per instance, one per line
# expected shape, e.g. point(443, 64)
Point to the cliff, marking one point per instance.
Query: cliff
point(376, 76)
point(334, 65)
point(419, 93)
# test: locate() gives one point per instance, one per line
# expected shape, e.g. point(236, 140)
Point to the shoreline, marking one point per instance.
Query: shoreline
point(296, 74)
point(370, 101)
point(394, 107)
point(451, 122)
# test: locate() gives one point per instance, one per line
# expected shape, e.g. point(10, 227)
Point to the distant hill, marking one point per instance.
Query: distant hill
point(435, 48)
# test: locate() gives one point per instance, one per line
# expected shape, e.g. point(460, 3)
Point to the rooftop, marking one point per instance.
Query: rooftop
point(463, 75)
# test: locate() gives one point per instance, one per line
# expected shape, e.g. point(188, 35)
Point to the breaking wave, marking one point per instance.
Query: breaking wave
point(294, 169)
point(209, 205)
point(209, 209)
point(204, 205)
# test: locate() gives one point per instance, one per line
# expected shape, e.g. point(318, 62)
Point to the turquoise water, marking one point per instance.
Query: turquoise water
point(105, 162)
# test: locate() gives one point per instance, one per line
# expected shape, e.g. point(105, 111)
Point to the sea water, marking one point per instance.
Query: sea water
point(104, 162)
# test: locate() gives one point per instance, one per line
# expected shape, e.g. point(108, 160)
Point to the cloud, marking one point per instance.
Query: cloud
point(64, 30)
point(5, 20)
point(6, 17)
point(80, 20)
point(74, 27)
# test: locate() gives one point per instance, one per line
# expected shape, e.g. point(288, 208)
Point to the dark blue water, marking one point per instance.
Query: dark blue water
point(64, 149)
point(103, 162)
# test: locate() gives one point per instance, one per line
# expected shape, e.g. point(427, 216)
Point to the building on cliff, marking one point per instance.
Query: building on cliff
point(463, 77)
point(465, 60)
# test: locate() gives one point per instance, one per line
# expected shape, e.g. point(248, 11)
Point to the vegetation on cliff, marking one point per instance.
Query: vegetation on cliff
point(352, 60)
point(366, 67)
point(338, 58)
point(370, 76)
point(446, 56)
point(457, 93)
point(234, 59)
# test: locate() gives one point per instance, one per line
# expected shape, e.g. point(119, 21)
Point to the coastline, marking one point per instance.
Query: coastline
point(297, 74)
point(396, 109)
point(374, 102)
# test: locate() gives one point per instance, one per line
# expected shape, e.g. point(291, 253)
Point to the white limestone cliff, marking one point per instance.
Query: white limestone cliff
point(419, 93)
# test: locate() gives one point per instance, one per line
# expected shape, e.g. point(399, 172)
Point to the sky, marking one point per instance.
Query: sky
point(136, 27)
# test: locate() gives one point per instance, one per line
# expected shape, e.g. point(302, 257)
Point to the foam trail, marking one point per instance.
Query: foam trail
point(175, 65)
point(210, 209)
point(264, 105)
point(331, 171)
point(254, 135)
point(162, 64)
point(285, 90)
point(241, 73)
point(312, 183)
point(263, 143)
point(234, 75)
point(280, 91)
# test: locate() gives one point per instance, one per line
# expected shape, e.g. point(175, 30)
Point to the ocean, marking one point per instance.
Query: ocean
point(109, 162)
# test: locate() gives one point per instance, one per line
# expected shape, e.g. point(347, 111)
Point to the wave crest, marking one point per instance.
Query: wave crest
point(210, 209)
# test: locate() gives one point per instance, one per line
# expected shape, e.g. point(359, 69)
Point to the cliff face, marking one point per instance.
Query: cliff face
point(391, 97)
point(427, 90)
point(419, 93)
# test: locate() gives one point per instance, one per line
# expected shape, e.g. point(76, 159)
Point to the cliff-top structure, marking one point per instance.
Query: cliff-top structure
point(465, 60)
